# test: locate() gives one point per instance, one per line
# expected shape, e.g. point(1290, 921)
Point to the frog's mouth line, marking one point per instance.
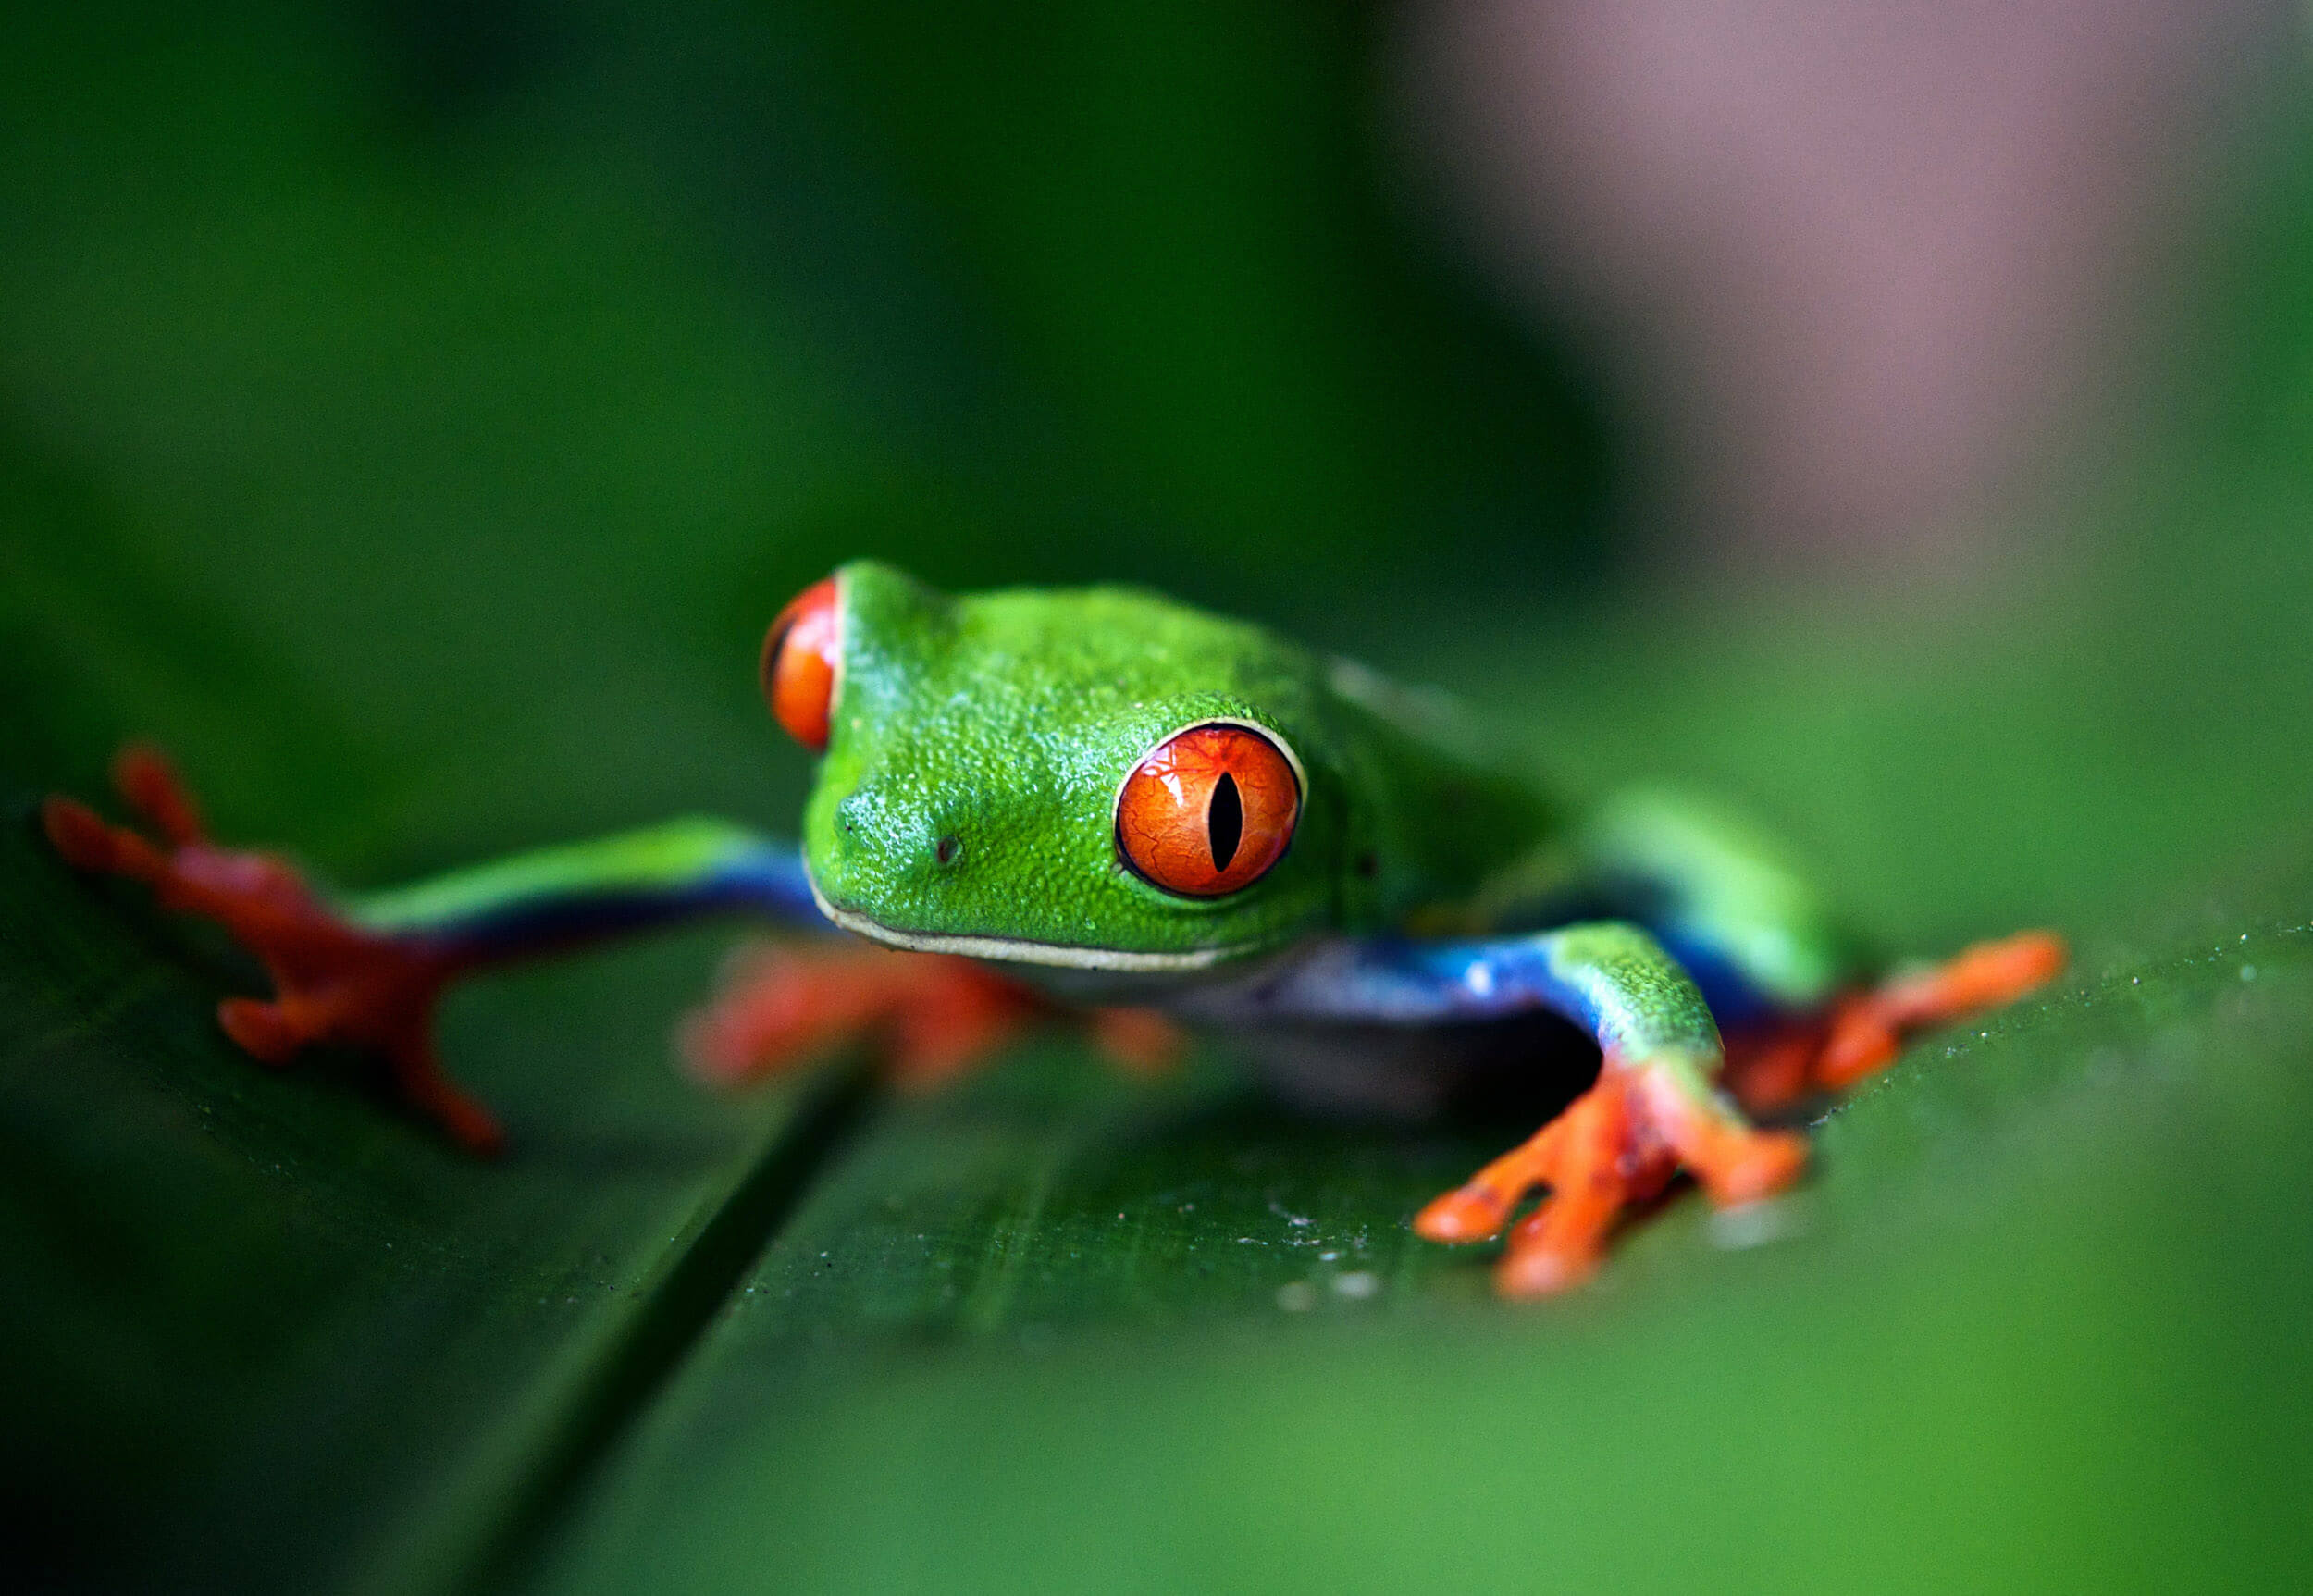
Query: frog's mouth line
point(1012, 950)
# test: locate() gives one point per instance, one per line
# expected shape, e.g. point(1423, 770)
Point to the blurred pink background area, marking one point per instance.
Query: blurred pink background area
point(1860, 271)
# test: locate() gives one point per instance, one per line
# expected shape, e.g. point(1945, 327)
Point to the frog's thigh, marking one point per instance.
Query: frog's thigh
point(1722, 898)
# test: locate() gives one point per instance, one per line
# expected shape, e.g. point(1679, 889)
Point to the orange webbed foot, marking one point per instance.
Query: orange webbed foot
point(1862, 1033)
point(1619, 1144)
point(1139, 1042)
point(333, 981)
point(1867, 1031)
point(1770, 1068)
point(930, 1016)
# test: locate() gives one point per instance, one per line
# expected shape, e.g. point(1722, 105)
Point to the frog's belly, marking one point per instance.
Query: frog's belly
point(1528, 1064)
point(1526, 1068)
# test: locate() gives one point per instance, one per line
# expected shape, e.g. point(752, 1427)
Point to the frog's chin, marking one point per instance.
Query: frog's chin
point(1018, 950)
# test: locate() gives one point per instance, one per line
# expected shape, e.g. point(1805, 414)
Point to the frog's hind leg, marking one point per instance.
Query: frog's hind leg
point(1751, 930)
point(369, 972)
point(1782, 975)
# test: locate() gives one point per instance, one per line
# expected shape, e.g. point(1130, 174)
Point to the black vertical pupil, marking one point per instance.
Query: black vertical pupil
point(1224, 821)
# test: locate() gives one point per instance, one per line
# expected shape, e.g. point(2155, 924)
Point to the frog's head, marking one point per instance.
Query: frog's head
point(1094, 778)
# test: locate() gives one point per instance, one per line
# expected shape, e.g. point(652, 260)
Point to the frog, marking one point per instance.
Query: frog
point(1102, 806)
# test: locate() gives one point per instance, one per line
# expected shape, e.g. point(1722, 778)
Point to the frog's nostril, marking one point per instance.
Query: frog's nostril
point(873, 822)
point(854, 811)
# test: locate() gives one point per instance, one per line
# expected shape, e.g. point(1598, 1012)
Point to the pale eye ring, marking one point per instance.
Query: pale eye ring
point(1211, 809)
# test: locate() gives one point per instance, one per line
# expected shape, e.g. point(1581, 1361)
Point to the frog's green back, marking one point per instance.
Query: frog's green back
point(978, 744)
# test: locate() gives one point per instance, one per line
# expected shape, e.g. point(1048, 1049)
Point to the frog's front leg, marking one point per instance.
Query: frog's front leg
point(1653, 1111)
point(369, 972)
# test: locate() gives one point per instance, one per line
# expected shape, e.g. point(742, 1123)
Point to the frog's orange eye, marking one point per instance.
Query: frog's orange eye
point(800, 663)
point(1208, 809)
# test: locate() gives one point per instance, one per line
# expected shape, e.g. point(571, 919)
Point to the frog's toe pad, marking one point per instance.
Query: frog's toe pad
point(261, 1030)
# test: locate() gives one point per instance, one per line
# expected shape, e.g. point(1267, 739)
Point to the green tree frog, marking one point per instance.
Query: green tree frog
point(1104, 802)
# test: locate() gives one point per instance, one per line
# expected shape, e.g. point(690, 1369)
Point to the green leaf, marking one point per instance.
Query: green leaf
point(278, 1323)
point(2037, 1311)
point(416, 438)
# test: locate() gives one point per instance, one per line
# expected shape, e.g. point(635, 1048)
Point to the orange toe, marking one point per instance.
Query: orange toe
point(1991, 974)
point(470, 1124)
point(1862, 1043)
point(261, 1030)
point(150, 784)
point(1605, 1158)
point(1752, 1166)
point(1528, 1273)
point(1479, 1206)
point(1466, 1214)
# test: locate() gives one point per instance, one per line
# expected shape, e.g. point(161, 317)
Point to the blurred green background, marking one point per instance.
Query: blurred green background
point(410, 412)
